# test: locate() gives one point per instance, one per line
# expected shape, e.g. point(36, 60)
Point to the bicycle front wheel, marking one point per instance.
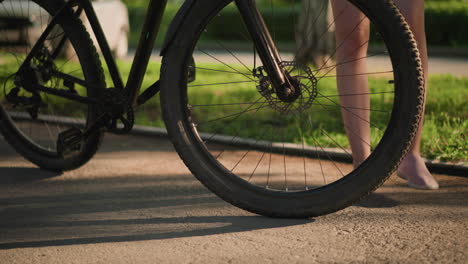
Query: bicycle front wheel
point(46, 58)
point(280, 157)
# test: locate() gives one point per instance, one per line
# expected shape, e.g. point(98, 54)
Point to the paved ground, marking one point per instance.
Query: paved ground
point(135, 202)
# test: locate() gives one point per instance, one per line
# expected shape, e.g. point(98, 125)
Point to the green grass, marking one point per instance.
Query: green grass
point(445, 126)
point(444, 134)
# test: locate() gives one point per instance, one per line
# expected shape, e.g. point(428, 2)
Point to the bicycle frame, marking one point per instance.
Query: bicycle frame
point(252, 18)
point(145, 46)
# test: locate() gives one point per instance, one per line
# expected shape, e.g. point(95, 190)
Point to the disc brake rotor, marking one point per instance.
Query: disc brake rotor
point(302, 76)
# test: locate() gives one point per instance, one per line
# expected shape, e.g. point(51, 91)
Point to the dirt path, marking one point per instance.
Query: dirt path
point(135, 202)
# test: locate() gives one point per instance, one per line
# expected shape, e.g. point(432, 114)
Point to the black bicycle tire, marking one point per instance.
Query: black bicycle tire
point(94, 75)
point(361, 182)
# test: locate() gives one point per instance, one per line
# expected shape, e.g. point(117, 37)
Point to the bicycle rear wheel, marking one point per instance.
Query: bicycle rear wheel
point(275, 157)
point(60, 58)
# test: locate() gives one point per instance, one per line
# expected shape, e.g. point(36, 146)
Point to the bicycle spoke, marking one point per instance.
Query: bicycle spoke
point(341, 44)
point(239, 114)
point(233, 55)
point(256, 166)
point(215, 70)
point(352, 75)
point(232, 140)
point(316, 150)
point(353, 94)
point(231, 115)
point(225, 64)
point(227, 104)
point(214, 84)
point(367, 121)
point(350, 61)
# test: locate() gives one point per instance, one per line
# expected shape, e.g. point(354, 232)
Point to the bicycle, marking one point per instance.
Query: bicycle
point(228, 119)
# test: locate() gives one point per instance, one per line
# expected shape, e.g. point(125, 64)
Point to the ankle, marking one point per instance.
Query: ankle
point(412, 160)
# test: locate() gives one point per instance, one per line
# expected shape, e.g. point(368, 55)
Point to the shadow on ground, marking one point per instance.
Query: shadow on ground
point(10, 175)
point(138, 208)
point(227, 224)
point(113, 209)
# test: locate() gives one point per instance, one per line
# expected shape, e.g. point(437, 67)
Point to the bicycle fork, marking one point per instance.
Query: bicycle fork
point(282, 84)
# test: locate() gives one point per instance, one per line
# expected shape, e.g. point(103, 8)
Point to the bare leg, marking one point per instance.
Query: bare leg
point(412, 167)
point(352, 35)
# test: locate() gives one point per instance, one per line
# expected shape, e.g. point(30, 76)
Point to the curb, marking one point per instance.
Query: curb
point(339, 155)
point(437, 167)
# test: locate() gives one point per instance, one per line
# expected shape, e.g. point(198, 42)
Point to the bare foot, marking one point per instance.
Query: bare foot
point(414, 170)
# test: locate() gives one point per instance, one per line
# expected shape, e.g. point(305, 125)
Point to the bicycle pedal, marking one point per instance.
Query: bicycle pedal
point(69, 142)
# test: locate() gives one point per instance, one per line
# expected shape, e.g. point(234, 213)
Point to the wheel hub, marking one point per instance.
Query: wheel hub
point(290, 90)
point(295, 96)
point(37, 72)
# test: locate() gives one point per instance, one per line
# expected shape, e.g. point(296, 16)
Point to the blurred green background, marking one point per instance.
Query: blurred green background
point(446, 20)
